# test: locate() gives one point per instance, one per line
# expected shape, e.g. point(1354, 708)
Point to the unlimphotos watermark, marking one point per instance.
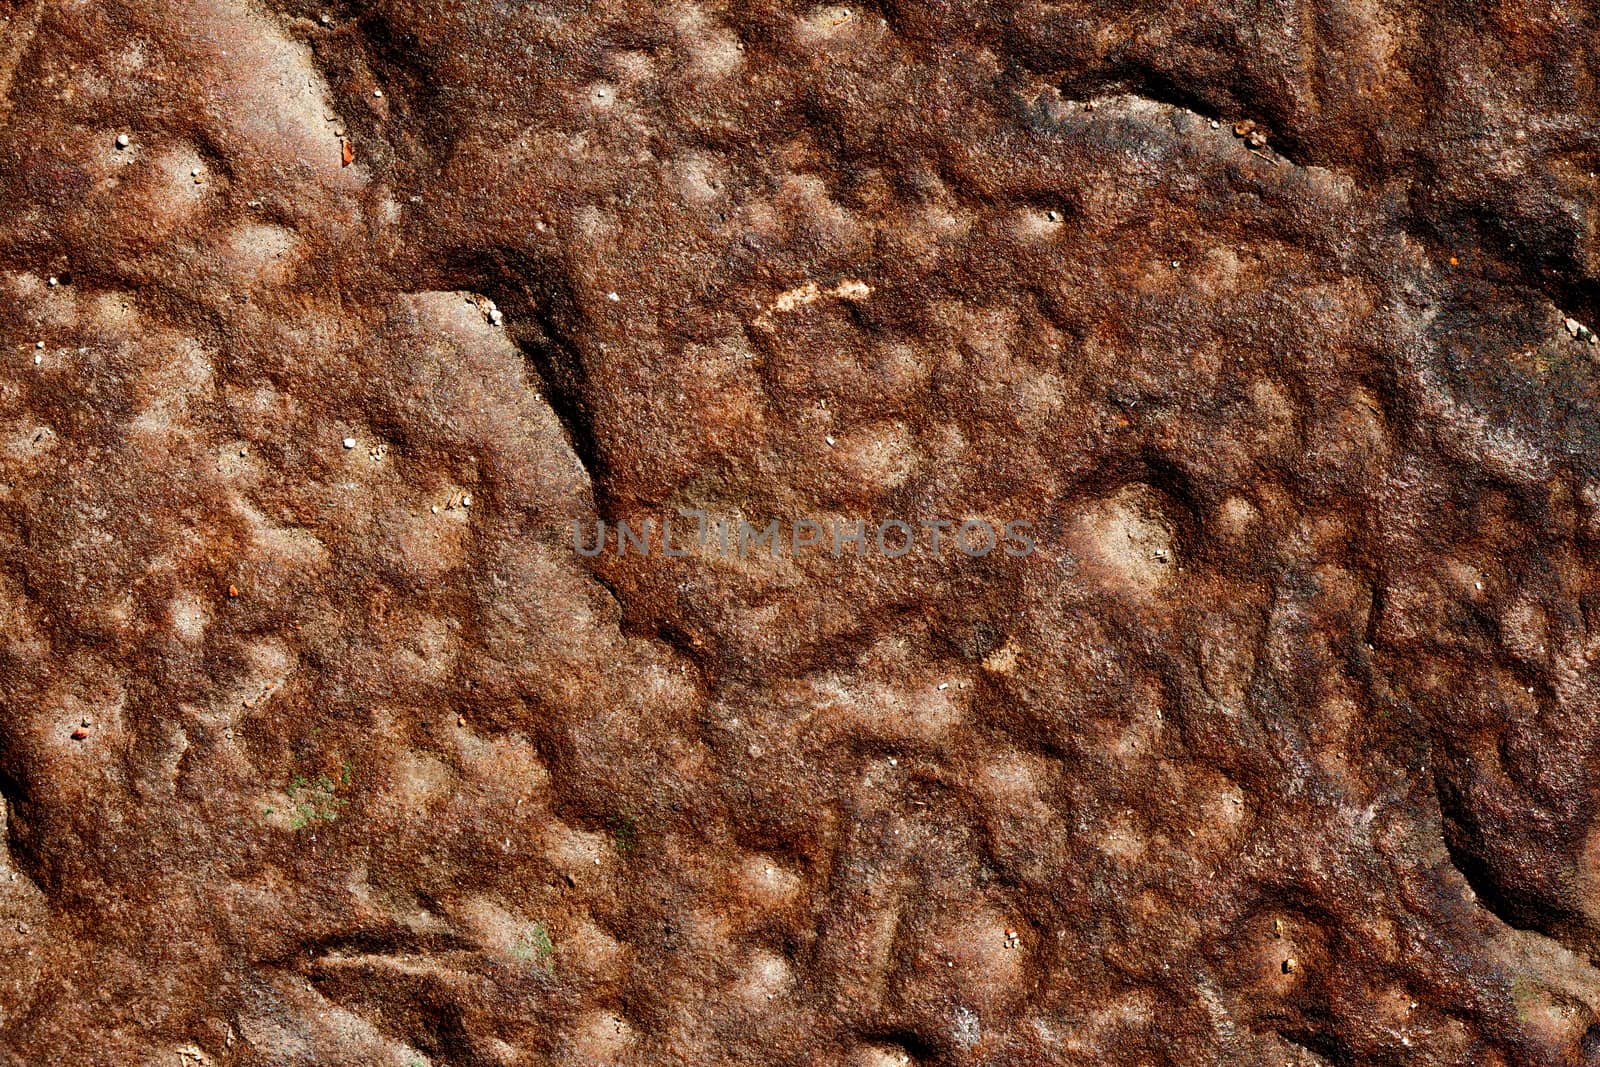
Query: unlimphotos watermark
point(893, 538)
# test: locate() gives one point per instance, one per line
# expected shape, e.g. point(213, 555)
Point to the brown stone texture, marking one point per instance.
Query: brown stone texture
point(321, 325)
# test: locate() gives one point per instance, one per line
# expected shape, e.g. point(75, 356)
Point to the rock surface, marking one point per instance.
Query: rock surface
point(320, 327)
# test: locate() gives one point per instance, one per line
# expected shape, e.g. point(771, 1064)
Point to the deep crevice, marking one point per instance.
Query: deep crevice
point(541, 319)
point(1458, 828)
point(24, 857)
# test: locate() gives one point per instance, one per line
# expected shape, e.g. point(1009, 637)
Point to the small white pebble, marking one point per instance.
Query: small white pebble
point(195, 173)
point(324, 19)
point(466, 501)
point(829, 440)
point(37, 359)
point(943, 686)
point(1174, 264)
point(349, 442)
point(54, 281)
point(1215, 124)
point(893, 762)
point(378, 93)
point(613, 297)
point(435, 509)
point(38, 344)
point(123, 141)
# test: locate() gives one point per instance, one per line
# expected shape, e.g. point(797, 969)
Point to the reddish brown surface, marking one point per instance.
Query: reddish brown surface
point(369, 774)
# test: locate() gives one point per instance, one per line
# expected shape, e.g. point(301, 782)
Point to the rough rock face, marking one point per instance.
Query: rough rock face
point(320, 328)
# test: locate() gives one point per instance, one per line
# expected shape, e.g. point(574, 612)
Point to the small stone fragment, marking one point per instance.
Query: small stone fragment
point(349, 442)
point(1251, 131)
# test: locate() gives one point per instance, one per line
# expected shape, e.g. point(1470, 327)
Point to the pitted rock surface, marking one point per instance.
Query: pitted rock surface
point(320, 327)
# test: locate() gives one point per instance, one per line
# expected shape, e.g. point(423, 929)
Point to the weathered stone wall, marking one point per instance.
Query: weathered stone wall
point(321, 327)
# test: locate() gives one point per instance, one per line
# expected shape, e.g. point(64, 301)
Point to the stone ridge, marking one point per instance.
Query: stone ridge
point(322, 328)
